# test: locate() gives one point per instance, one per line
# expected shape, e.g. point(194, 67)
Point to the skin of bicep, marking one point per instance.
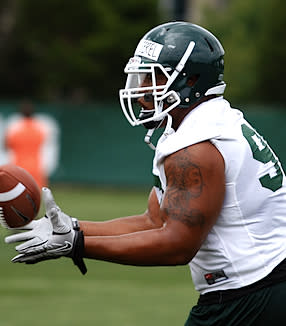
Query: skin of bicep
point(195, 191)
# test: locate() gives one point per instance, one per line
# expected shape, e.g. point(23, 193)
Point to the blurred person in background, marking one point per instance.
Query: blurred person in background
point(219, 197)
point(26, 140)
point(3, 152)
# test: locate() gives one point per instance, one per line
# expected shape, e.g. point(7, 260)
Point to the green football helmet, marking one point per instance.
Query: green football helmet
point(179, 50)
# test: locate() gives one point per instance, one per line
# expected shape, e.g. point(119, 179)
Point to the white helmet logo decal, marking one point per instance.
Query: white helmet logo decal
point(149, 49)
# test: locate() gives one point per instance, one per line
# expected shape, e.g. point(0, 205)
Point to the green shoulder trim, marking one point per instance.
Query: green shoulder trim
point(157, 182)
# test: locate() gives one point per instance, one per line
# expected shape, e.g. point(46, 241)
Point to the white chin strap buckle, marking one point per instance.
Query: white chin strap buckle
point(150, 132)
point(147, 138)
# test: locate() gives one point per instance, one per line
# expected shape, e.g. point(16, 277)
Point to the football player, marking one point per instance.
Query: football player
point(219, 198)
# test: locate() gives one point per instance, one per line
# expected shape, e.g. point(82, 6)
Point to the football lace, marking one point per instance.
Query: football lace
point(2, 219)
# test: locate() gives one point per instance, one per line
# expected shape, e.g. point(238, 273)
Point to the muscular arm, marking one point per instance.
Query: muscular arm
point(172, 233)
point(148, 220)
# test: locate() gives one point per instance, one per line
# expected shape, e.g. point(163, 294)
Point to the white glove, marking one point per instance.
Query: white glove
point(37, 231)
point(53, 236)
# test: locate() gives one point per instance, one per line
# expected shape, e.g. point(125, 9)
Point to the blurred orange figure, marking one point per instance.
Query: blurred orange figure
point(25, 140)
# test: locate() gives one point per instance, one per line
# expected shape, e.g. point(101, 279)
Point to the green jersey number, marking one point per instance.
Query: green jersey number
point(263, 153)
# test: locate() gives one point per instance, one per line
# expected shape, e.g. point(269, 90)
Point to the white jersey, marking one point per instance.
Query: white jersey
point(249, 237)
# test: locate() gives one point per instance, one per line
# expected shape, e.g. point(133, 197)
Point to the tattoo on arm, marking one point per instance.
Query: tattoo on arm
point(185, 183)
point(191, 218)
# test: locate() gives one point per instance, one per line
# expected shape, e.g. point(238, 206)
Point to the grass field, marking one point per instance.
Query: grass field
point(55, 293)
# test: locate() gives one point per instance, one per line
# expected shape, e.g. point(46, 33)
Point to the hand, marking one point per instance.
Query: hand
point(50, 237)
point(37, 231)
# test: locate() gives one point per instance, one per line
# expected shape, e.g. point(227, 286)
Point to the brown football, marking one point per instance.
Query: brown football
point(20, 196)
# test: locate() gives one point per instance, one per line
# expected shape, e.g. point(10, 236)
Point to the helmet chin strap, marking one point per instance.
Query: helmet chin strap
point(149, 134)
point(147, 138)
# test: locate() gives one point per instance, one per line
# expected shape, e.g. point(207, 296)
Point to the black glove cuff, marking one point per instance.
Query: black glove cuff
point(78, 250)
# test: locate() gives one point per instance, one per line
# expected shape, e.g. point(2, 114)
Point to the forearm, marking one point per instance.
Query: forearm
point(117, 226)
point(151, 219)
point(146, 248)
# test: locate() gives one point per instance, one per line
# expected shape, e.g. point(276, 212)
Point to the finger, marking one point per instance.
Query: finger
point(32, 259)
point(19, 237)
point(54, 217)
point(48, 200)
point(22, 258)
point(17, 259)
point(29, 226)
point(33, 245)
point(59, 226)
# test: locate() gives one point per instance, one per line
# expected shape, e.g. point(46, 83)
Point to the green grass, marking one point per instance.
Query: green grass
point(55, 293)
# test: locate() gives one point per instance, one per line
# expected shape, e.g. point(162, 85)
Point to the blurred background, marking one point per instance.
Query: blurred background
point(68, 60)
point(64, 60)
